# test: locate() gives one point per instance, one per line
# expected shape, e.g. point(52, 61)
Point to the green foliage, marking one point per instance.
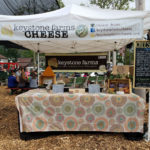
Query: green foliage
point(129, 57)
point(26, 53)
point(119, 76)
point(119, 59)
point(3, 76)
point(114, 4)
point(13, 54)
point(82, 4)
point(61, 4)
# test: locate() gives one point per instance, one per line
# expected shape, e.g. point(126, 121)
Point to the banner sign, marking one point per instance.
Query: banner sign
point(77, 62)
point(71, 30)
point(142, 64)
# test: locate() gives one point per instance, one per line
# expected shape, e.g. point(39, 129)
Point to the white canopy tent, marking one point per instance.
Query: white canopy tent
point(75, 29)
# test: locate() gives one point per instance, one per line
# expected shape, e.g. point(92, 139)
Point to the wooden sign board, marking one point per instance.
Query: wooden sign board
point(142, 64)
point(122, 70)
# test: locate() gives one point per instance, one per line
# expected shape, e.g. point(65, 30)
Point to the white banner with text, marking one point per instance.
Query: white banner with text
point(71, 30)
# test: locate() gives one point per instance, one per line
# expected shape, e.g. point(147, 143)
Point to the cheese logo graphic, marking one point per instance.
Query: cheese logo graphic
point(53, 62)
point(7, 30)
point(81, 31)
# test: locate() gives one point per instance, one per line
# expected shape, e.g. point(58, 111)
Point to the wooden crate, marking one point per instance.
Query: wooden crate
point(119, 85)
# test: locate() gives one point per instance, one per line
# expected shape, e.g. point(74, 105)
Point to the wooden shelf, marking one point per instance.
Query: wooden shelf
point(119, 85)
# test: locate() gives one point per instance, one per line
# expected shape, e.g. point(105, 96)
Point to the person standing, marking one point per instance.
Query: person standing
point(33, 82)
point(22, 79)
point(18, 74)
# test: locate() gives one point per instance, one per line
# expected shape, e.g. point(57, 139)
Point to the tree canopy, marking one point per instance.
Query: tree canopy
point(61, 4)
point(36, 7)
point(114, 4)
point(13, 54)
point(27, 7)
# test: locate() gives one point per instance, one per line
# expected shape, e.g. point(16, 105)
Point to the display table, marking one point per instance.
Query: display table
point(40, 110)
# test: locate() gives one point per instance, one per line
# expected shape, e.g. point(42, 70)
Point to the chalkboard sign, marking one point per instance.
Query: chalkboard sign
point(142, 64)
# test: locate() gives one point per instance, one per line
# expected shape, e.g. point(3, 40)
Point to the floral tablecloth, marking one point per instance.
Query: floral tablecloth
point(40, 110)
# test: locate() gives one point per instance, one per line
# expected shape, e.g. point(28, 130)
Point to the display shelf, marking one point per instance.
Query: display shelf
point(119, 85)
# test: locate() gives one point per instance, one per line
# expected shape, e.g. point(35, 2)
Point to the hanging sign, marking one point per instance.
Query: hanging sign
point(77, 62)
point(72, 29)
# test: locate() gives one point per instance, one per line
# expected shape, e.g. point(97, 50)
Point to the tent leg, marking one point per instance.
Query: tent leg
point(114, 58)
point(38, 55)
point(109, 53)
point(34, 59)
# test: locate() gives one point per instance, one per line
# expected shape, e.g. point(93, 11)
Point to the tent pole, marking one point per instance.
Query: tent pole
point(34, 59)
point(38, 55)
point(114, 54)
point(114, 58)
point(109, 56)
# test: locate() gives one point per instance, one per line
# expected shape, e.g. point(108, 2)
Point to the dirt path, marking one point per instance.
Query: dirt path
point(10, 139)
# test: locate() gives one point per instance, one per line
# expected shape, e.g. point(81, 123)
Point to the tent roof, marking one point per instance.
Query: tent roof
point(82, 15)
point(64, 46)
point(80, 11)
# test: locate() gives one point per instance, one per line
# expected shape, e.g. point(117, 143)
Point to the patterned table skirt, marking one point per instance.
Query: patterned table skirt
point(40, 110)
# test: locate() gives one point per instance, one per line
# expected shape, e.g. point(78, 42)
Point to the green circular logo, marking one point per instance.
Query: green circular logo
point(81, 31)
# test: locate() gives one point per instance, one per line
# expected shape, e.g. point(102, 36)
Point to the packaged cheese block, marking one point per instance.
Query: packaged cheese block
point(102, 68)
